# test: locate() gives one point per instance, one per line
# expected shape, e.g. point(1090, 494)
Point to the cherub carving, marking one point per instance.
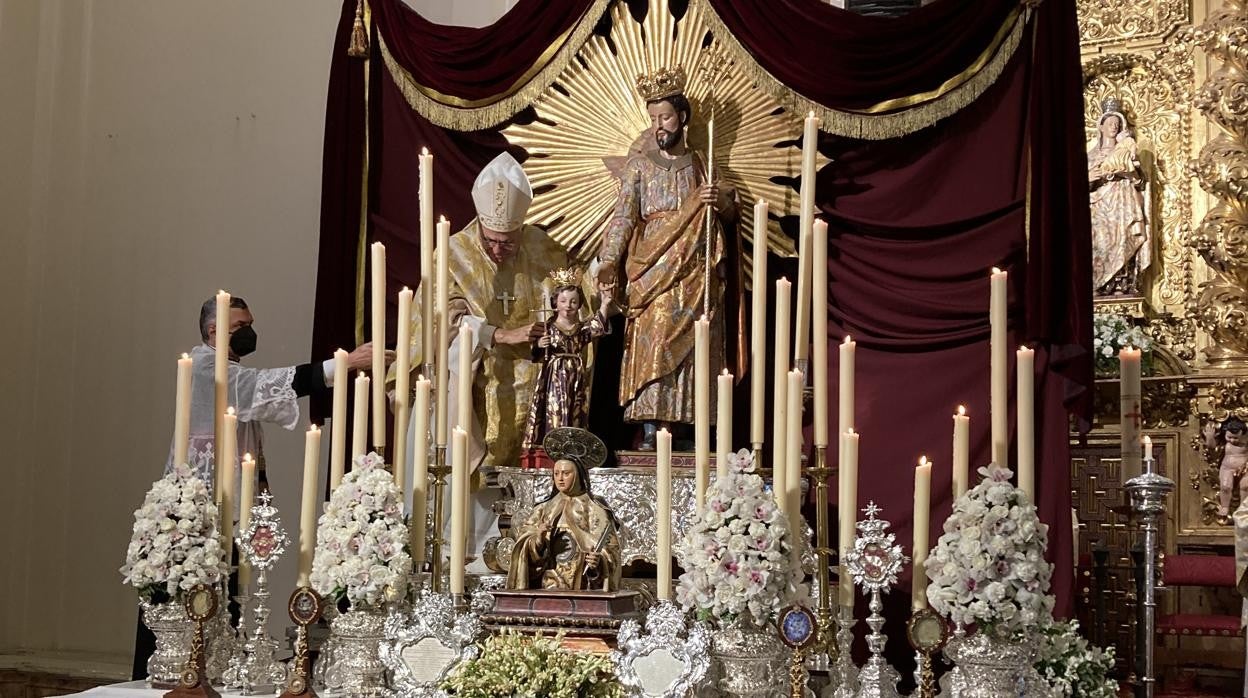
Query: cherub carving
point(1231, 439)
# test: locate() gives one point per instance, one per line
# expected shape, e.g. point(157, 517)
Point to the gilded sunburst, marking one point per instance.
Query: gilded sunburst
point(592, 118)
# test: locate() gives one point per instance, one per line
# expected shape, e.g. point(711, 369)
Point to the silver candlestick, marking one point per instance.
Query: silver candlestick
point(874, 564)
point(230, 678)
point(1148, 493)
point(844, 673)
point(260, 544)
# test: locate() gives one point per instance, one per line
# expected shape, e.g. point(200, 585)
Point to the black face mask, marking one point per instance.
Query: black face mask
point(243, 341)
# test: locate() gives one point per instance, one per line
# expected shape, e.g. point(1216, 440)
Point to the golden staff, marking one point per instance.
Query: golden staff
point(712, 70)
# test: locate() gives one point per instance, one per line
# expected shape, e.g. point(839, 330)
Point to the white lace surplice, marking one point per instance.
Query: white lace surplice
point(256, 394)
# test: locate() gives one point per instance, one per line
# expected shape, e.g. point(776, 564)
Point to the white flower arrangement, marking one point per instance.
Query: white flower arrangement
point(736, 555)
point(175, 544)
point(1071, 666)
point(1112, 333)
point(988, 567)
point(361, 540)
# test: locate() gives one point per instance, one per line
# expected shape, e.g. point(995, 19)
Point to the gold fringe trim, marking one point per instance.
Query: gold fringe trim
point(464, 115)
point(922, 110)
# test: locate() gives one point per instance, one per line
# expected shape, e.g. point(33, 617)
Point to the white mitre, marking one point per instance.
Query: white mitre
point(502, 194)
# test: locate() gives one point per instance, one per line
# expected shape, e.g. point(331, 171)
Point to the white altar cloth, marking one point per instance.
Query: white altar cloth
point(139, 689)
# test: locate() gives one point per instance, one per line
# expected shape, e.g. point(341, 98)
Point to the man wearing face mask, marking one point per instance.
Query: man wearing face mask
point(256, 394)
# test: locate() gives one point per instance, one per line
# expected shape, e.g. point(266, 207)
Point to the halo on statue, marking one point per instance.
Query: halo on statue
point(576, 445)
point(592, 119)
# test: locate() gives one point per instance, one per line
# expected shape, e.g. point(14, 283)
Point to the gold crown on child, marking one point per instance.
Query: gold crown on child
point(566, 277)
point(662, 83)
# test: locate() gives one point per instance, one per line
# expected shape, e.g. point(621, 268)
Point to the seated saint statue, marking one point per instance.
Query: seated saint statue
point(570, 540)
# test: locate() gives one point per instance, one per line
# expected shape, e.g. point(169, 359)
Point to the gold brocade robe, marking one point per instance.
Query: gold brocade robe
point(559, 563)
point(656, 239)
point(503, 386)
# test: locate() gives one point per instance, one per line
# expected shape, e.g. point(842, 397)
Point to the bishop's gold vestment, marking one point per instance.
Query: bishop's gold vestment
point(656, 240)
point(503, 386)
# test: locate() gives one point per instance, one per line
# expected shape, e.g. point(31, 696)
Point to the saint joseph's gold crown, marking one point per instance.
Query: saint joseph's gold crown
point(662, 83)
point(566, 277)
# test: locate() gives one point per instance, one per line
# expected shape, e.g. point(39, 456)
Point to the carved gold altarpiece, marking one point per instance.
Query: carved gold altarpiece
point(1180, 71)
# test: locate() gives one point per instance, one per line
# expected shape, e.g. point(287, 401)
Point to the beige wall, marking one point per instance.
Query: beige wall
point(465, 13)
point(153, 150)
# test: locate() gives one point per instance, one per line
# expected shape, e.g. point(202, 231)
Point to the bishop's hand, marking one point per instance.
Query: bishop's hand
point(525, 334)
point(362, 357)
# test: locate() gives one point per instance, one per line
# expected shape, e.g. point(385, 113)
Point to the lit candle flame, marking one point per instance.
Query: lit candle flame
point(961, 411)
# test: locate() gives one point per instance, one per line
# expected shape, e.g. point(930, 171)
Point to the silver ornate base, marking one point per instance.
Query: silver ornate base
point(168, 622)
point(326, 653)
point(357, 669)
point(749, 661)
point(877, 679)
point(222, 643)
point(253, 668)
point(232, 678)
point(987, 666)
point(843, 676)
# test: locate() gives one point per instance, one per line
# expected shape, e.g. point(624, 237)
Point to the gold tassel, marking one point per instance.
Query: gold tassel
point(359, 35)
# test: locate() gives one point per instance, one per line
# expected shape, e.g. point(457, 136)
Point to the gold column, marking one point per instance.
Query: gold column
point(1222, 170)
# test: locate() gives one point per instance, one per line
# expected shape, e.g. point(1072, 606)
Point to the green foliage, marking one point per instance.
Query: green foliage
point(515, 665)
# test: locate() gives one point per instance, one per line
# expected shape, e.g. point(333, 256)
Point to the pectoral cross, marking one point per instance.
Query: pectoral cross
point(507, 300)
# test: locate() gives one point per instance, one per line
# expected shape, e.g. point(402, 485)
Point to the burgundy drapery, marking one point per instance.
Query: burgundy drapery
point(475, 63)
point(848, 61)
point(915, 222)
point(464, 62)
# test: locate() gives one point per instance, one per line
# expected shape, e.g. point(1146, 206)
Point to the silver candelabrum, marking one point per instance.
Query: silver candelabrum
point(260, 544)
point(874, 564)
point(1148, 492)
point(843, 673)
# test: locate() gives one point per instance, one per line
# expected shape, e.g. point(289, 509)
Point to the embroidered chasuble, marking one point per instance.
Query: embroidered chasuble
point(503, 296)
point(656, 242)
